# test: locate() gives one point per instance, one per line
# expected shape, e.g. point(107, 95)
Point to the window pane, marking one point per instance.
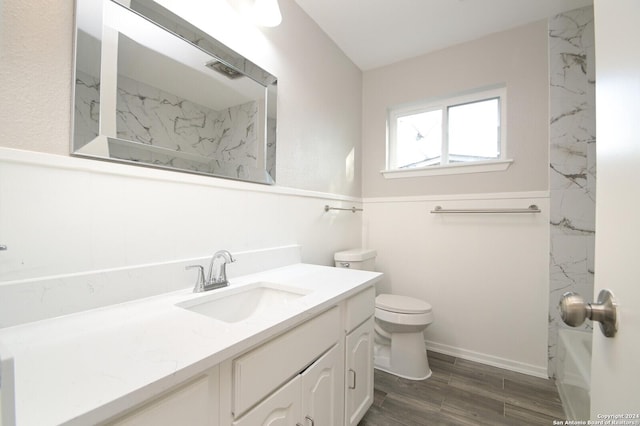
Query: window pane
point(474, 131)
point(419, 139)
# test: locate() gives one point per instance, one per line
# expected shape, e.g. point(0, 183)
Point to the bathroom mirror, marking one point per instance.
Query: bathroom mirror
point(152, 89)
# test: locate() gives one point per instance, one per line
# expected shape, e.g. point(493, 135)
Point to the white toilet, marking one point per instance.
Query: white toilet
point(399, 323)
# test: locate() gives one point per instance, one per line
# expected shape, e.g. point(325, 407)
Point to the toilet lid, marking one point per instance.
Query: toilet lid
point(402, 304)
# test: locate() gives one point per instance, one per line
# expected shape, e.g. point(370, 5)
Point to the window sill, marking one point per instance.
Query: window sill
point(449, 169)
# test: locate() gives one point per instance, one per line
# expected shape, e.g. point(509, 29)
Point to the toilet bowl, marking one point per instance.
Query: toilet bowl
point(399, 346)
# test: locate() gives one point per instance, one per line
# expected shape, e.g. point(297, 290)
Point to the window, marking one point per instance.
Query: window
point(457, 131)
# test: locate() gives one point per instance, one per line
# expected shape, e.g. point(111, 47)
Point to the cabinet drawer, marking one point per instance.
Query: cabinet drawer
point(195, 403)
point(262, 370)
point(359, 308)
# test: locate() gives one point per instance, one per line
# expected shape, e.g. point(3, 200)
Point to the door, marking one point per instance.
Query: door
point(615, 368)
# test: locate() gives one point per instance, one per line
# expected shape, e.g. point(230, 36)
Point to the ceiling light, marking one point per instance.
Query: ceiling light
point(267, 13)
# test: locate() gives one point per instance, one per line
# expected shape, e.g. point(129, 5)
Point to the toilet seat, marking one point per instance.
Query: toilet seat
point(422, 319)
point(402, 304)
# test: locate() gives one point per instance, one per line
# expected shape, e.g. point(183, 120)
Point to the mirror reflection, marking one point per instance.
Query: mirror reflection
point(146, 95)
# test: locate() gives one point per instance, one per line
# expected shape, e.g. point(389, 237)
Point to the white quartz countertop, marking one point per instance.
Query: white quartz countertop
point(87, 367)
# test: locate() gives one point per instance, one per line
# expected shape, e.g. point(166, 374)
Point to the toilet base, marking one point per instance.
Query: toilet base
point(405, 355)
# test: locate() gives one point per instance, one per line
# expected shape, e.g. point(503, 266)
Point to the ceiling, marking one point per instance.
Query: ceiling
point(374, 33)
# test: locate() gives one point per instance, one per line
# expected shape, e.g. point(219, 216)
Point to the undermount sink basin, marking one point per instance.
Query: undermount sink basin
point(239, 304)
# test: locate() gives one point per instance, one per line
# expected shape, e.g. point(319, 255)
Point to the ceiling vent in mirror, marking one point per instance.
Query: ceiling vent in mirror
point(223, 69)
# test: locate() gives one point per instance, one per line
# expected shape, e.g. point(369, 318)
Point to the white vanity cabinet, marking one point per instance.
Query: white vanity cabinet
point(303, 356)
point(264, 369)
point(291, 378)
point(193, 403)
point(319, 373)
point(312, 397)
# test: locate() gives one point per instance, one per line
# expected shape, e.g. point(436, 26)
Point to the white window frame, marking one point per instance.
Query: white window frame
point(499, 164)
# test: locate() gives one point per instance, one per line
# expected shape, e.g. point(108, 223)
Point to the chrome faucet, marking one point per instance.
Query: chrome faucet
point(220, 278)
point(213, 281)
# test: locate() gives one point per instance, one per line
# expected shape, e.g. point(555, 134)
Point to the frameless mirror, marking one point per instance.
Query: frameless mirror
point(152, 89)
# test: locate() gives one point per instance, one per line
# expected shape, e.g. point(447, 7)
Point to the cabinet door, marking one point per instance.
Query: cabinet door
point(359, 372)
point(282, 408)
point(323, 389)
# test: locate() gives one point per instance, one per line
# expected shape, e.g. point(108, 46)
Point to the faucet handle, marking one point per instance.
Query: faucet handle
point(199, 287)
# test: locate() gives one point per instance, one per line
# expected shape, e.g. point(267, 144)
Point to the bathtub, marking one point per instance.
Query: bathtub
point(574, 372)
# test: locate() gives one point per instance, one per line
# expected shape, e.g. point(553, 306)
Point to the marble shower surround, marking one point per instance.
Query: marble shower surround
point(153, 117)
point(572, 163)
point(86, 114)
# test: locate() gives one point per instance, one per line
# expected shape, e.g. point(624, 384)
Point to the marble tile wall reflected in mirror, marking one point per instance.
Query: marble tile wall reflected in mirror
point(158, 102)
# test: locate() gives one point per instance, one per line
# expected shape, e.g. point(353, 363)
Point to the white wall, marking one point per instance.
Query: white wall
point(35, 74)
point(517, 58)
point(72, 225)
point(68, 216)
point(486, 276)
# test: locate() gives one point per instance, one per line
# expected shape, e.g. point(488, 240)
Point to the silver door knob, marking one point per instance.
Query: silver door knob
point(574, 311)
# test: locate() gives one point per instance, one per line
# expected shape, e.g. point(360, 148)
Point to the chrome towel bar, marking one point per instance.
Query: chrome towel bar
point(352, 209)
point(531, 209)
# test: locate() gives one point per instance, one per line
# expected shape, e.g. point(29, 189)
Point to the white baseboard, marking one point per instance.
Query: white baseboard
point(507, 364)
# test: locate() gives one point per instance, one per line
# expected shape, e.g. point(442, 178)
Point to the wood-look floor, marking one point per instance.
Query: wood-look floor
point(461, 392)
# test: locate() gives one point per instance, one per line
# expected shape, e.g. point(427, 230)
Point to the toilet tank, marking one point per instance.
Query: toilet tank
point(361, 258)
